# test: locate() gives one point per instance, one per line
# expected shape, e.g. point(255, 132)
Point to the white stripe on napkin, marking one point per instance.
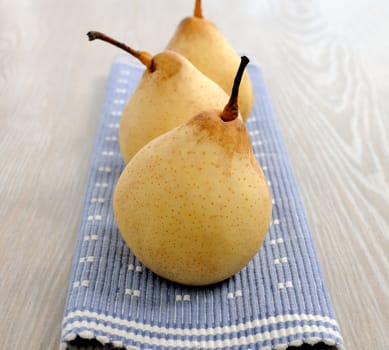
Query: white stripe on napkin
point(206, 344)
point(196, 331)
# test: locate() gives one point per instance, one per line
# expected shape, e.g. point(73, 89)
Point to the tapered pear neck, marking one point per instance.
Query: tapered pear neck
point(198, 11)
point(231, 110)
point(143, 56)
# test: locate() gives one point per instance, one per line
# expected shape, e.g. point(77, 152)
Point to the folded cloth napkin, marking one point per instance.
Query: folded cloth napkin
point(278, 300)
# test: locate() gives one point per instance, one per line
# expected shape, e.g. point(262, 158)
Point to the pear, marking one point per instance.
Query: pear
point(170, 91)
point(206, 47)
point(193, 205)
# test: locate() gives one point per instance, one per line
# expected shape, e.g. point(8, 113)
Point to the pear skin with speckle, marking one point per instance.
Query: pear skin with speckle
point(202, 43)
point(170, 92)
point(165, 97)
point(193, 205)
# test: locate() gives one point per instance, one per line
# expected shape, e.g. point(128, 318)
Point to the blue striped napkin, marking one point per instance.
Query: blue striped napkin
point(278, 300)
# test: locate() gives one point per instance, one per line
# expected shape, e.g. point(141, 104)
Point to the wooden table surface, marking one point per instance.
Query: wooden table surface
point(326, 65)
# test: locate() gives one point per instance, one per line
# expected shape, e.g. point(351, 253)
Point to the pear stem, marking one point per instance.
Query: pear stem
point(231, 110)
point(142, 56)
point(198, 12)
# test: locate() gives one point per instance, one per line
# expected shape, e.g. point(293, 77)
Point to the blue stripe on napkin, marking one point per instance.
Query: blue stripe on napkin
point(278, 300)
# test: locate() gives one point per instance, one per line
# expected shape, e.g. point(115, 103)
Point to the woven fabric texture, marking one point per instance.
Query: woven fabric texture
point(278, 300)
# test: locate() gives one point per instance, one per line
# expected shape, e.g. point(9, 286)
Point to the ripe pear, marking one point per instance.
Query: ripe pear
point(193, 205)
point(200, 41)
point(170, 91)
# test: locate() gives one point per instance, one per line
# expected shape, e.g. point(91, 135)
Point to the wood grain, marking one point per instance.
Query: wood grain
point(325, 64)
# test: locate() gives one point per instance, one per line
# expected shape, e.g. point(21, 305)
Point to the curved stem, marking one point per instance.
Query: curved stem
point(142, 56)
point(231, 110)
point(198, 12)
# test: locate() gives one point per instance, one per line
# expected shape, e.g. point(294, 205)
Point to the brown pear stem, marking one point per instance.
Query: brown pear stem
point(198, 12)
point(142, 56)
point(231, 110)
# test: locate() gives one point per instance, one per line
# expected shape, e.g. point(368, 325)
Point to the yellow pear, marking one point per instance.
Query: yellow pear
point(193, 205)
point(170, 91)
point(206, 47)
